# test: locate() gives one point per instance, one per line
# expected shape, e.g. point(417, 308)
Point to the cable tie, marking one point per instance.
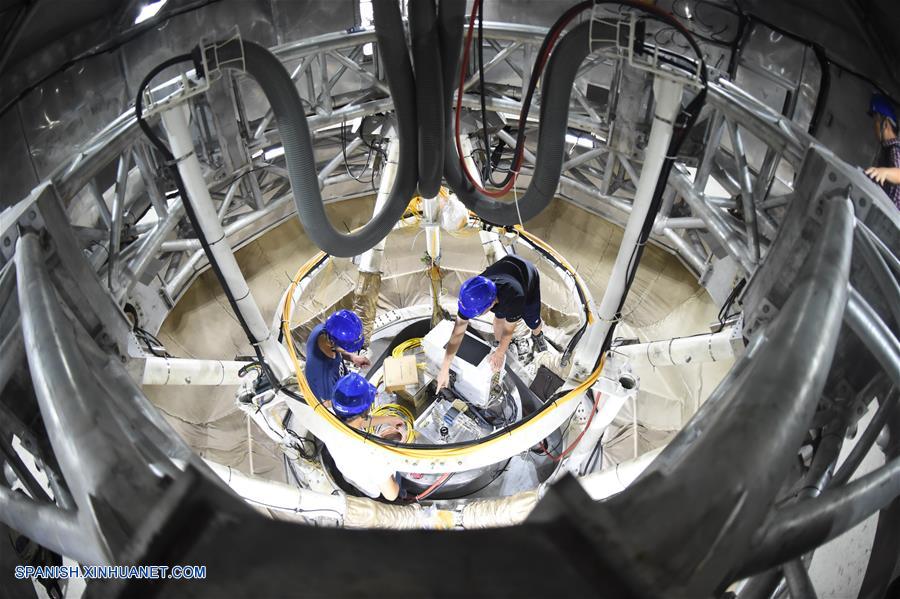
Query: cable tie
point(212, 243)
point(666, 121)
point(175, 161)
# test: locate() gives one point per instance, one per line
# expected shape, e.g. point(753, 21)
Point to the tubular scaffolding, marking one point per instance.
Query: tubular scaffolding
point(125, 487)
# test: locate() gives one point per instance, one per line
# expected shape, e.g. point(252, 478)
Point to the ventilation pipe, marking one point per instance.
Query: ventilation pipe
point(368, 281)
point(426, 53)
point(175, 122)
point(667, 93)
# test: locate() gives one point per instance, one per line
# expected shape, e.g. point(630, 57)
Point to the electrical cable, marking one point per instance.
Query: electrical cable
point(398, 411)
point(298, 510)
point(732, 296)
point(153, 344)
point(398, 351)
point(596, 453)
point(434, 487)
point(691, 113)
point(574, 444)
point(171, 165)
point(486, 166)
point(542, 446)
point(540, 62)
point(344, 153)
point(261, 167)
point(484, 486)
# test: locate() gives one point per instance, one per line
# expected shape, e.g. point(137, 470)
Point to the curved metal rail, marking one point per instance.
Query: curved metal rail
point(726, 486)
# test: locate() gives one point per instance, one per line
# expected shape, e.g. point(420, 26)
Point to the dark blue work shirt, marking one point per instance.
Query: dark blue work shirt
point(518, 286)
point(322, 372)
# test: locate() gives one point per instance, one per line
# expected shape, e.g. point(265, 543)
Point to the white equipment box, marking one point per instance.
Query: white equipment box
point(471, 364)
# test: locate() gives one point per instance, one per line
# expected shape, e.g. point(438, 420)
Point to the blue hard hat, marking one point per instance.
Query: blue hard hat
point(345, 327)
point(880, 104)
point(475, 296)
point(353, 395)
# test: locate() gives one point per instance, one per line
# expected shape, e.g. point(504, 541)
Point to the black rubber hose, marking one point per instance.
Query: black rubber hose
point(426, 53)
point(886, 544)
point(282, 94)
point(451, 20)
point(559, 78)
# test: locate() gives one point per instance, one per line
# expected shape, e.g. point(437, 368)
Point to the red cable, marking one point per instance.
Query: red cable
point(440, 481)
point(539, 67)
point(569, 449)
point(520, 151)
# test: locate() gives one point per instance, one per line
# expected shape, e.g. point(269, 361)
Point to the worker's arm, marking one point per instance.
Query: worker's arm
point(884, 174)
point(357, 359)
point(390, 488)
point(366, 422)
point(456, 338)
point(503, 332)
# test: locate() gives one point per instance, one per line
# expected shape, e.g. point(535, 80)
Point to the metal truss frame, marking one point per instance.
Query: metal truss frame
point(124, 486)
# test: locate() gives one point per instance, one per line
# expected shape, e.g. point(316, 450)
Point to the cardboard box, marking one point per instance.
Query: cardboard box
point(399, 373)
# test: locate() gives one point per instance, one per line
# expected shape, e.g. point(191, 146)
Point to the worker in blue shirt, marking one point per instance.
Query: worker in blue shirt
point(511, 289)
point(339, 337)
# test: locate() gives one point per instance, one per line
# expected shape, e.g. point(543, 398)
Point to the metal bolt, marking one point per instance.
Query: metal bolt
point(6, 241)
point(862, 201)
point(31, 215)
point(765, 309)
point(832, 177)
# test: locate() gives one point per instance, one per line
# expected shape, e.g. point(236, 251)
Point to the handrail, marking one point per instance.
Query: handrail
point(773, 399)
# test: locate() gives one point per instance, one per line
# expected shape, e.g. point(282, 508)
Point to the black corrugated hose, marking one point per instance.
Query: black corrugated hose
point(284, 98)
point(559, 78)
point(426, 53)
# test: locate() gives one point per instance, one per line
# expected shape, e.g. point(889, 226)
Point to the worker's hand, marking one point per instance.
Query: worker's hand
point(360, 361)
point(878, 174)
point(497, 360)
point(443, 379)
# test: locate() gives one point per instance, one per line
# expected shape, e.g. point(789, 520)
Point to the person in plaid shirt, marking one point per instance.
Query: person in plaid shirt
point(887, 173)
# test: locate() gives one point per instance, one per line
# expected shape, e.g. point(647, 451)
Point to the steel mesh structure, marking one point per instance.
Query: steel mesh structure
point(816, 240)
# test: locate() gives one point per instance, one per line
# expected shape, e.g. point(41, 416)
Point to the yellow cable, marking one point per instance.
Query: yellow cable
point(407, 452)
point(408, 344)
point(565, 263)
point(394, 409)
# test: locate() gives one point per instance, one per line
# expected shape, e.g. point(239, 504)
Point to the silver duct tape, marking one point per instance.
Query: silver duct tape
point(365, 299)
point(508, 511)
point(363, 512)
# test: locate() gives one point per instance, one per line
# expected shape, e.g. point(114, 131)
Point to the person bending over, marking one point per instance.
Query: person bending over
point(511, 289)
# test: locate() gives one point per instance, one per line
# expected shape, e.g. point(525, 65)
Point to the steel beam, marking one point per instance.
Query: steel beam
point(747, 197)
point(875, 334)
point(773, 396)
